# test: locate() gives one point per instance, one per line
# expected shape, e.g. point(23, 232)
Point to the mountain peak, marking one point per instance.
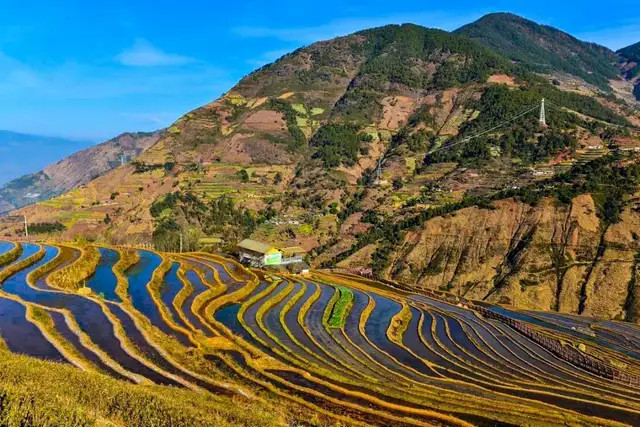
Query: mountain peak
point(544, 49)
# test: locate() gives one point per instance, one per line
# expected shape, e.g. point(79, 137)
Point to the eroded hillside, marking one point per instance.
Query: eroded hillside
point(415, 153)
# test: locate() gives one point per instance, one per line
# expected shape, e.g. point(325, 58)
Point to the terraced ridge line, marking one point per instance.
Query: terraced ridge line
point(215, 288)
point(202, 300)
point(385, 396)
point(75, 275)
point(153, 287)
point(73, 326)
point(21, 263)
point(291, 353)
point(66, 297)
point(119, 334)
point(185, 299)
point(170, 353)
point(23, 336)
point(314, 320)
point(41, 318)
point(11, 255)
point(336, 351)
point(578, 393)
point(230, 298)
point(312, 402)
point(263, 369)
point(284, 315)
point(569, 354)
point(125, 345)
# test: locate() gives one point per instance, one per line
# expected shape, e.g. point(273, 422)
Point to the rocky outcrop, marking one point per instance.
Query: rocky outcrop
point(548, 257)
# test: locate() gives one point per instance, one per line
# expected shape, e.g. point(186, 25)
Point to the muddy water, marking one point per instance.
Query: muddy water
point(22, 336)
point(170, 288)
point(104, 281)
point(139, 276)
point(88, 314)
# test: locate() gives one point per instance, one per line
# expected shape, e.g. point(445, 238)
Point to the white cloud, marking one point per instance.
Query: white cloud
point(91, 100)
point(341, 27)
point(144, 54)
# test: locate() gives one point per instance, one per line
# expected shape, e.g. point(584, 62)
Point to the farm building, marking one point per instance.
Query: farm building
point(293, 254)
point(259, 254)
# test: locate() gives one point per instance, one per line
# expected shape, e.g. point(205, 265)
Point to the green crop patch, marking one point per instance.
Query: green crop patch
point(341, 308)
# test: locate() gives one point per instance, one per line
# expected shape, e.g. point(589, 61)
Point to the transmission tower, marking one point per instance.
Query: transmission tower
point(543, 117)
point(122, 159)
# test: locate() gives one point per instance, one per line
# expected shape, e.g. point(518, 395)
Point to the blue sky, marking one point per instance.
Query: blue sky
point(91, 72)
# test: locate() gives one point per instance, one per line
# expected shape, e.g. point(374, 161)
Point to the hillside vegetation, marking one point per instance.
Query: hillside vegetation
point(544, 49)
point(354, 147)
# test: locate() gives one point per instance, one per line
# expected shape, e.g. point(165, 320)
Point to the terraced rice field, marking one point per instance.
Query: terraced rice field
point(360, 350)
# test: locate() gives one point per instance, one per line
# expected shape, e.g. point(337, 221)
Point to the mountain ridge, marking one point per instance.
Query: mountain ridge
point(361, 147)
point(73, 170)
point(18, 148)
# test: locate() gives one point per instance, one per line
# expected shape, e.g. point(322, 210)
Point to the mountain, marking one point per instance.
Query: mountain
point(631, 65)
point(412, 153)
point(544, 49)
point(72, 171)
point(22, 153)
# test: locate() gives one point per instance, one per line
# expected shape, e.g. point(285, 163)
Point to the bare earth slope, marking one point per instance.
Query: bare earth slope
point(472, 195)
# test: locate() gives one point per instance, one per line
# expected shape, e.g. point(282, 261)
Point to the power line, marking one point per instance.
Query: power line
point(484, 132)
point(566, 109)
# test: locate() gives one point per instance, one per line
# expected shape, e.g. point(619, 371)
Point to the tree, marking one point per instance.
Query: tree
point(244, 175)
point(398, 183)
point(278, 178)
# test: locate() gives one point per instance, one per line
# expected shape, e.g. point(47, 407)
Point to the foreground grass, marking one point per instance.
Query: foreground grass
point(36, 392)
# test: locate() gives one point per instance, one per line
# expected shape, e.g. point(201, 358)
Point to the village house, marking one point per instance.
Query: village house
point(262, 255)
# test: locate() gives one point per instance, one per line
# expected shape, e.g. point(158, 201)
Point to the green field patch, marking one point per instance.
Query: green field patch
point(341, 308)
point(299, 108)
point(303, 121)
point(316, 111)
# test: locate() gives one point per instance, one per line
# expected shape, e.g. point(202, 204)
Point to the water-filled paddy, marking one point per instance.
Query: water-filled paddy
point(104, 281)
point(445, 357)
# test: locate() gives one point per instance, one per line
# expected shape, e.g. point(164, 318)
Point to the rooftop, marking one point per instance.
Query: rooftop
point(255, 246)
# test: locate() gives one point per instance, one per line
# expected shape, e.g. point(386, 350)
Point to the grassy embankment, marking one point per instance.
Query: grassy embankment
point(11, 255)
point(74, 276)
point(72, 398)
